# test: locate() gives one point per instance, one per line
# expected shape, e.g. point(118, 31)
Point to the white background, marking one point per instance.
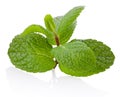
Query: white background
point(100, 20)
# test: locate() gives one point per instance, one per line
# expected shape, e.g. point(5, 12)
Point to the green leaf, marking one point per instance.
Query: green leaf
point(34, 28)
point(104, 55)
point(65, 37)
point(37, 28)
point(49, 23)
point(62, 25)
point(57, 21)
point(75, 58)
point(51, 36)
point(67, 24)
point(31, 53)
point(66, 33)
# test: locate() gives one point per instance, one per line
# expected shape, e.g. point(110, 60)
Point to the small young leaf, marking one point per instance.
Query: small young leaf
point(34, 28)
point(52, 36)
point(49, 23)
point(62, 25)
point(37, 28)
point(67, 24)
point(75, 59)
point(31, 53)
point(67, 33)
point(64, 37)
point(57, 21)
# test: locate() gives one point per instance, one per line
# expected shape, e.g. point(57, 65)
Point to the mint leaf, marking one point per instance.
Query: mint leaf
point(62, 26)
point(66, 34)
point(31, 53)
point(49, 23)
point(103, 53)
point(51, 36)
point(67, 24)
point(57, 21)
point(37, 28)
point(75, 58)
point(34, 28)
point(64, 37)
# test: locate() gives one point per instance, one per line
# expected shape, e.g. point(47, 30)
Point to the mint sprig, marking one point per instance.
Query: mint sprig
point(33, 52)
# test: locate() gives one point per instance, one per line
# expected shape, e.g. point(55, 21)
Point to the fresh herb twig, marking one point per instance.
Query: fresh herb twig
point(32, 52)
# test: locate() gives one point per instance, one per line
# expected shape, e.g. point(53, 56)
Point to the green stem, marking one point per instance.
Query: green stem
point(57, 43)
point(57, 40)
point(56, 62)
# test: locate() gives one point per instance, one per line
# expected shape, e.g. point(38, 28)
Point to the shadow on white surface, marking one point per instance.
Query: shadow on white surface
point(27, 85)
